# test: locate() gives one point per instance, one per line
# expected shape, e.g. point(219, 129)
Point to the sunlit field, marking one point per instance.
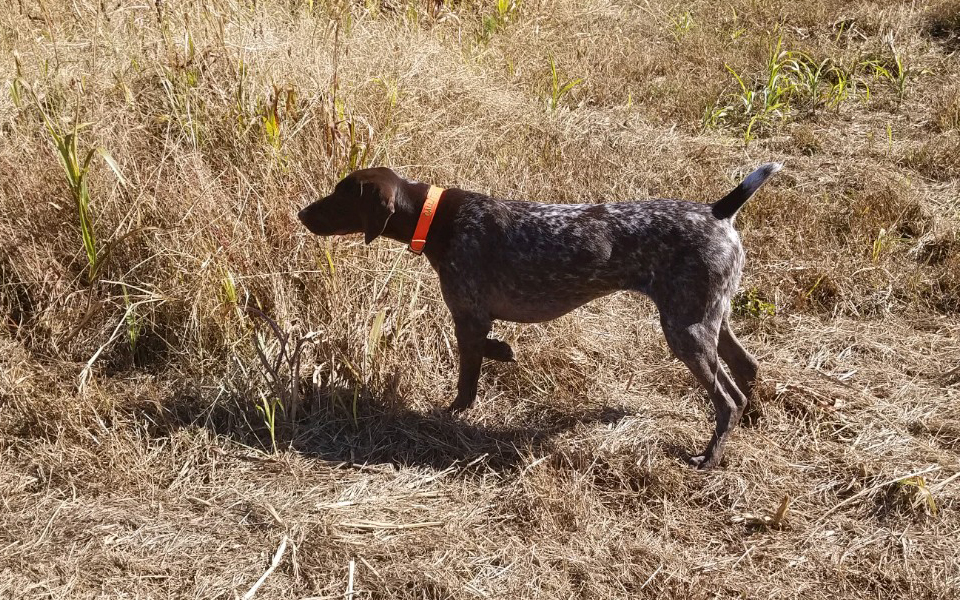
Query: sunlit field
point(201, 399)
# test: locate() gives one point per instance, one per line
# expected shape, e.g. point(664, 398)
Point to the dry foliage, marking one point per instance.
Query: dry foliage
point(139, 390)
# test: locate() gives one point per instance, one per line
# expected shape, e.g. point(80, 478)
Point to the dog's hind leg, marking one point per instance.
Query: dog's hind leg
point(498, 350)
point(695, 343)
point(743, 366)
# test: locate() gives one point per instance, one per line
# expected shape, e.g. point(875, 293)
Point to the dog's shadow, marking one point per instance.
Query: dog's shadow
point(437, 439)
point(375, 432)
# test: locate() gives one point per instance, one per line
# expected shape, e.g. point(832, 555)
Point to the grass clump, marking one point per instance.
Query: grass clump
point(750, 303)
point(792, 81)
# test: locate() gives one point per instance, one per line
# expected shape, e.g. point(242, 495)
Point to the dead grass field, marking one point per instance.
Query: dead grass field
point(135, 462)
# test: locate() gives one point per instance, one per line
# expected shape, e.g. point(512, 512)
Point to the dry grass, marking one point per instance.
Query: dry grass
point(134, 461)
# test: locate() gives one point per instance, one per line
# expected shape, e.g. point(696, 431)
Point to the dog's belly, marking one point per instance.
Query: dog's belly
point(520, 313)
point(539, 303)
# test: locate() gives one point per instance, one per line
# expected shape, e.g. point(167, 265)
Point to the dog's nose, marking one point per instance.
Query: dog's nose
point(307, 214)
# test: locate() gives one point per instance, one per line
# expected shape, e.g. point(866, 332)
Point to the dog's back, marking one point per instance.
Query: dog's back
point(534, 262)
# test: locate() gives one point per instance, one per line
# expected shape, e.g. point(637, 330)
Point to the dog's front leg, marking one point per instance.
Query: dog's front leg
point(471, 341)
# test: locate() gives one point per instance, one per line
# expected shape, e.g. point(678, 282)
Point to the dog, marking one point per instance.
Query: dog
point(529, 262)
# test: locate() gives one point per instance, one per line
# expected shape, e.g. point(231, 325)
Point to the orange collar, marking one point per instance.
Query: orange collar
point(426, 217)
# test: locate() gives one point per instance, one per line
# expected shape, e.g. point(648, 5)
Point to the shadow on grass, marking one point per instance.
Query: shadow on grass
point(382, 433)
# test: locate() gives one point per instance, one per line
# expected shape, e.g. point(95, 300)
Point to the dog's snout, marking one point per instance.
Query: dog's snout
point(316, 219)
point(309, 213)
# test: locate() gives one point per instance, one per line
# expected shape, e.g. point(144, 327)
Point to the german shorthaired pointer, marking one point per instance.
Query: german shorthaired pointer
point(528, 262)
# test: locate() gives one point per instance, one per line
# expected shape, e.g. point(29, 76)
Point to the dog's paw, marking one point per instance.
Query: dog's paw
point(762, 396)
point(752, 414)
point(458, 406)
point(497, 350)
point(701, 462)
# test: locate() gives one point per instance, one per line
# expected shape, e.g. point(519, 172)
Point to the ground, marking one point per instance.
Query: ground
point(154, 157)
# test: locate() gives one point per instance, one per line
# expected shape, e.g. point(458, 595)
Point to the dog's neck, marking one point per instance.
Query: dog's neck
point(408, 204)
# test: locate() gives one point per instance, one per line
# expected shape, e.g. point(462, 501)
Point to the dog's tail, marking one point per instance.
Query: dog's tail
point(726, 207)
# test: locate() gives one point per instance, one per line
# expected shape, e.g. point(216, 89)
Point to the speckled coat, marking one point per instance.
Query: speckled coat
point(530, 262)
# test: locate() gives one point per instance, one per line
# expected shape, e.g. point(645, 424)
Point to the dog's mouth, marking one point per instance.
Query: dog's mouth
point(324, 229)
point(318, 225)
point(327, 231)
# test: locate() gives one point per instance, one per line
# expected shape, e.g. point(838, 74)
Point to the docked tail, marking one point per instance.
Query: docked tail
point(728, 206)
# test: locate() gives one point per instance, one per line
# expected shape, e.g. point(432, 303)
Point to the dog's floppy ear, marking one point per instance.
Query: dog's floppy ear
point(379, 205)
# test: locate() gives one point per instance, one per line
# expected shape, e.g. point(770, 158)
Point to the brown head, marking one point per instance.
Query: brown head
point(362, 202)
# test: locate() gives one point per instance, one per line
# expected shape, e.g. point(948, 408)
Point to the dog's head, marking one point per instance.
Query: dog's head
point(362, 202)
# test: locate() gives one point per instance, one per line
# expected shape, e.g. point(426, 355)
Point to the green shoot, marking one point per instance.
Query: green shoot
point(228, 288)
point(355, 405)
point(75, 168)
point(681, 25)
point(491, 23)
point(559, 89)
point(268, 412)
point(921, 494)
point(750, 303)
point(813, 288)
point(901, 71)
point(280, 367)
point(790, 79)
point(878, 244)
